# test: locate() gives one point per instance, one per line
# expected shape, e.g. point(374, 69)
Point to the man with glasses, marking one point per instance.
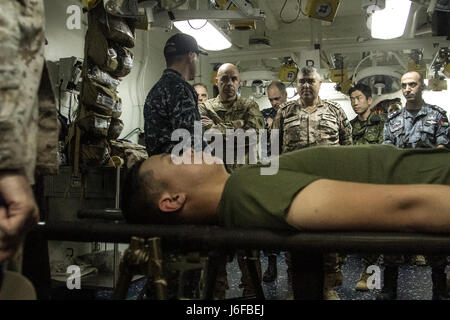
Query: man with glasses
point(417, 125)
point(311, 121)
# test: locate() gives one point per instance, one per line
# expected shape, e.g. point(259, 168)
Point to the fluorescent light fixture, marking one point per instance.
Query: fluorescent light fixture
point(390, 22)
point(207, 35)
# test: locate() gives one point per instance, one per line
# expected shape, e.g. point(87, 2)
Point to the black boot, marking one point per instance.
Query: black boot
point(439, 279)
point(271, 272)
point(389, 291)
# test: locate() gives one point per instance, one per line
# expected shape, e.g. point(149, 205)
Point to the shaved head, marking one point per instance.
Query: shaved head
point(228, 82)
point(226, 67)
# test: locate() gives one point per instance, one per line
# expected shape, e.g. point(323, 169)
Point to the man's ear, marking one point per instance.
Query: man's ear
point(369, 101)
point(171, 202)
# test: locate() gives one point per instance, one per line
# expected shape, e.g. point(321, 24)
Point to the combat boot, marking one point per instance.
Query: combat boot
point(331, 280)
point(271, 272)
point(439, 279)
point(389, 291)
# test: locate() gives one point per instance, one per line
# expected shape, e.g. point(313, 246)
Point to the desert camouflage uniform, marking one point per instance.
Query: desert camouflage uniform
point(28, 123)
point(227, 116)
point(326, 125)
point(427, 129)
point(22, 113)
point(171, 104)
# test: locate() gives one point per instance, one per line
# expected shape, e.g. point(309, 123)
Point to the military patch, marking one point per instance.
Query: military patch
point(345, 123)
point(444, 124)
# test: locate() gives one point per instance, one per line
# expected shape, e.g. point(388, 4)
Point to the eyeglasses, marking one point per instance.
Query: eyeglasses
point(307, 80)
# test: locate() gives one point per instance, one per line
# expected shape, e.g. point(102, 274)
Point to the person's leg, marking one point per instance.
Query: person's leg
point(332, 276)
point(389, 291)
point(438, 276)
point(246, 280)
point(271, 272)
point(368, 260)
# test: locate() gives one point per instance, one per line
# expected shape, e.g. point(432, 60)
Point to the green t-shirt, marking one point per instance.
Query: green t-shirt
point(250, 199)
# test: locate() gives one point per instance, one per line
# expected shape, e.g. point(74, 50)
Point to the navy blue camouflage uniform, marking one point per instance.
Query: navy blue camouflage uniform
point(171, 104)
point(427, 129)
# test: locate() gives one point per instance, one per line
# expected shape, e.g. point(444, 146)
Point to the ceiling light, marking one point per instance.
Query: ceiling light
point(207, 35)
point(390, 22)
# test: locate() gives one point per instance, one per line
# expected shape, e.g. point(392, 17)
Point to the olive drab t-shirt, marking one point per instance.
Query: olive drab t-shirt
point(250, 199)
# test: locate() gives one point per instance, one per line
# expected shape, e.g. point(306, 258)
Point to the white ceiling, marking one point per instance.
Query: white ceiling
point(347, 34)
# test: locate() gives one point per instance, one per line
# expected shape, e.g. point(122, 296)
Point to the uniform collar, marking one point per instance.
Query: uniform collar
point(300, 103)
point(423, 111)
point(174, 72)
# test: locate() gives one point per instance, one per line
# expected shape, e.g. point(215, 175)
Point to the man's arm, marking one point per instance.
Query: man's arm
point(253, 118)
point(442, 138)
point(337, 205)
point(278, 125)
point(211, 120)
point(345, 129)
point(388, 137)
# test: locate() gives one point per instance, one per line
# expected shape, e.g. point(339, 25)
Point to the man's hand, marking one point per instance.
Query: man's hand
point(18, 212)
point(269, 123)
point(207, 122)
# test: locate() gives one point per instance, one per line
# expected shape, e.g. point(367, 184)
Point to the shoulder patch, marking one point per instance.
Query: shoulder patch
point(287, 104)
point(393, 115)
point(332, 103)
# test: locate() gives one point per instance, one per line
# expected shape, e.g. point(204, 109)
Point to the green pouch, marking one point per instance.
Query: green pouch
point(115, 129)
point(125, 58)
point(98, 48)
point(118, 30)
point(94, 124)
point(99, 98)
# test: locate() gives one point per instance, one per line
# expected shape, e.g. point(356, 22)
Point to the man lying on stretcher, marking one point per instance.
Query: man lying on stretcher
point(364, 188)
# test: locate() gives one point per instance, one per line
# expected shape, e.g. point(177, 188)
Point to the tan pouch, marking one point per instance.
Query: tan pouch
point(115, 129)
point(95, 153)
point(125, 58)
point(99, 98)
point(94, 124)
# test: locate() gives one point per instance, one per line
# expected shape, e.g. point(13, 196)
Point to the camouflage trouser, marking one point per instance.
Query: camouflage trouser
point(332, 262)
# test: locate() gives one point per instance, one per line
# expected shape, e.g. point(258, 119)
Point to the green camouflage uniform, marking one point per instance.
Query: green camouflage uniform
point(326, 125)
point(369, 131)
point(28, 123)
point(226, 115)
